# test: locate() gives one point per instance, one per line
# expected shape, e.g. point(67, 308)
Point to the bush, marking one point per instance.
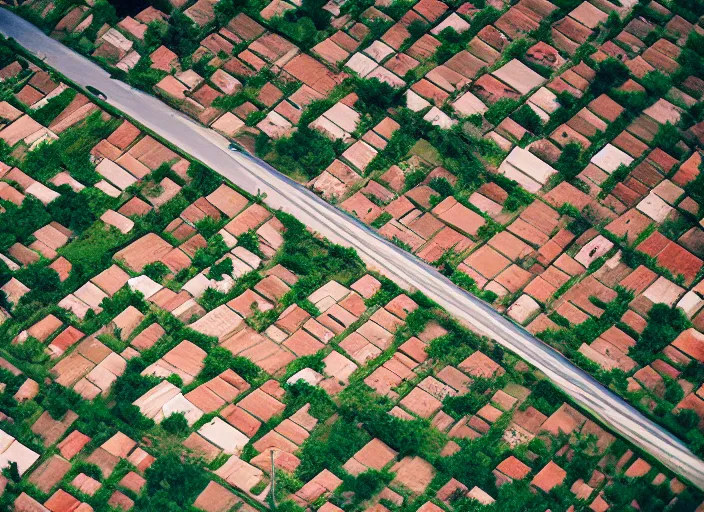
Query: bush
point(13, 472)
point(175, 424)
point(382, 219)
point(131, 385)
point(155, 34)
point(656, 83)
point(20, 222)
point(165, 171)
point(694, 7)
point(250, 241)
point(255, 117)
point(414, 178)
point(43, 282)
point(462, 405)
point(156, 271)
point(667, 138)
point(103, 14)
point(262, 144)
point(301, 393)
point(547, 393)
point(673, 392)
point(54, 107)
point(633, 102)
point(205, 257)
point(367, 484)
point(58, 400)
point(329, 448)
point(528, 119)
point(694, 372)
point(203, 179)
point(417, 28)
point(7, 56)
point(501, 109)
point(220, 359)
point(463, 281)
point(566, 100)
point(442, 187)
point(71, 151)
point(302, 31)
point(313, 9)
point(132, 416)
point(175, 379)
point(143, 76)
point(218, 270)
point(695, 188)
point(93, 251)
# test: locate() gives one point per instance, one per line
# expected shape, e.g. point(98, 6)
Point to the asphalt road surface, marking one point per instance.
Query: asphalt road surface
point(282, 193)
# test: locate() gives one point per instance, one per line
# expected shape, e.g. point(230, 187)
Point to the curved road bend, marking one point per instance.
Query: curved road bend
point(256, 176)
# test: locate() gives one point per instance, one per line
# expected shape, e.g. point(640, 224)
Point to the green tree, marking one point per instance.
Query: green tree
point(218, 270)
point(13, 472)
point(203, 179)
point(220, 359)
point(656, 83)
point(225, 10)
point(306, 151)
point(664, 325)
point(71, 210)
point(154, 35)
point(442, 186)
point(313, 9)
point(569, 164)
point(182, 478)
point(182, 36)
point(54, 107)
point(375, 95)
point(528, 119)
point(667, 138)
point(366, 484)
point(156, 271)
point(43, 282)
point(175, 423)
point(611, 73)
point(687, 419)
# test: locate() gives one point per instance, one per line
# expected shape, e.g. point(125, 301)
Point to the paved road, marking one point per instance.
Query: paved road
point(256, 176)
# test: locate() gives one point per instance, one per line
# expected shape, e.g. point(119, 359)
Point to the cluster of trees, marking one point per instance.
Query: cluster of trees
point(664, 325)
point(307, 25)
point(306, 153)
point(182, 35)
point(376, 97)
point(21, 221)
point(315, 261)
